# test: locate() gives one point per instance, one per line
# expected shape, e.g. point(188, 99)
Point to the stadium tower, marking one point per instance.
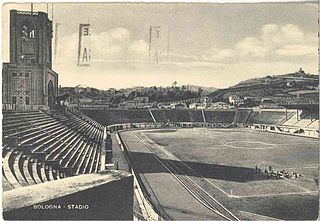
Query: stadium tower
point(29, 83)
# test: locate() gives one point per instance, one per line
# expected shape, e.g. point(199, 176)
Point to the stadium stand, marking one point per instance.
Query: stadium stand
point(291, 119)
point(159, 115)
point(314, 124)
point(219, 116)
point(118, 116)
point(302, 119)
point(195, 116)
point(288, 121)
point(266, 117)
point(242, 115)
point(177, 115)
point(134, 115)
point(40, 147)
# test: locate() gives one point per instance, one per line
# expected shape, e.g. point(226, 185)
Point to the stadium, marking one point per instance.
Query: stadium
point(207, 157)
point(213, 154)
point(91, 162)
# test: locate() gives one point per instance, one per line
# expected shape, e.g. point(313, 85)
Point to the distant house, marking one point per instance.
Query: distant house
point(132, 104)
point(142, 99)
point(205, 99)
point(197, 105)
point(178, 106)
point(81, 88)
point(85, 100)
point(220, 105)
point(236, 100)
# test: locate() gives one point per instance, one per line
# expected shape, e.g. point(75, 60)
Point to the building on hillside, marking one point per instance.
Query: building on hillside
point(236, 100)
point(28, 81)
point(132, 104)
point(197, 105)
point(94, 105)
point(178, 106)
point(142, 99)
point(269, 104)
point(220, 105)
point(82, 88)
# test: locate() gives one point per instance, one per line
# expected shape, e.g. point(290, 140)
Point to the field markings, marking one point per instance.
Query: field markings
point(267, 146)
point(284, 180)
point(146, 140)
point(144, 180)
point(152, 142)
point(294, 143)
point(314, 166)
point(262, 216)
point(276, 194)
point(209, 181)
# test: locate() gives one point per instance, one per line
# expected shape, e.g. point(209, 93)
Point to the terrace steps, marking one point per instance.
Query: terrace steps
point(37, 145)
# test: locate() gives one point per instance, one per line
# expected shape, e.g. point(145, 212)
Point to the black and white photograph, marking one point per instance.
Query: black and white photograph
point(160, 110)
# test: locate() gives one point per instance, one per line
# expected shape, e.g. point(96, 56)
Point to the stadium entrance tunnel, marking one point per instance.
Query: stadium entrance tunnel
point(146, 163)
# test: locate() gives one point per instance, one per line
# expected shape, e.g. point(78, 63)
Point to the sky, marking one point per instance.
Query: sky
point(207, 44)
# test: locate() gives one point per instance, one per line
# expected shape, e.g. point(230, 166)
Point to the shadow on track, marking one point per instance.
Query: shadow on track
point(146, 163)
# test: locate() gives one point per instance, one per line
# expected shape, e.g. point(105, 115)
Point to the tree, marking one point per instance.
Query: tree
point(174, 84)
point(200, 90)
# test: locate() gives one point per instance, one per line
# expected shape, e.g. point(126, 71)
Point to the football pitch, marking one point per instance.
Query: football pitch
point(226, 160)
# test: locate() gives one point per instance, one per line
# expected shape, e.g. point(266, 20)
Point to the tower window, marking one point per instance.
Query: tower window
point(14, 74)
point(20, 74)
point(27, 75)
point(14, 100)
point(27, 100)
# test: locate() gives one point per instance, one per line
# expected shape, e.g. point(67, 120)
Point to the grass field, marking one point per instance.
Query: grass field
point(226, 158)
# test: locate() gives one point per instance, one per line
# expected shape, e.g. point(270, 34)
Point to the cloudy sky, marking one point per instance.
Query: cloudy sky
point(214, 45)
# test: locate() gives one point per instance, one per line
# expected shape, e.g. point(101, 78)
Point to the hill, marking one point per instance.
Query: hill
point(291, 88)
point(84, 94)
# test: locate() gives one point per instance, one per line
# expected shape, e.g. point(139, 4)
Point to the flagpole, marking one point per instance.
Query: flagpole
point(150, 44)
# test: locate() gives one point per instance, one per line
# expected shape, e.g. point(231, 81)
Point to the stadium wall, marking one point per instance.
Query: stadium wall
point(148, 210)
point(295, 131)
point(104, 195)
point(264, 119)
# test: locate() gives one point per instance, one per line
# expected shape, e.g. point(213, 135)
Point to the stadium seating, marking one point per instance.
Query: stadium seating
point(134, 115)
point(159, 115)
point(302, 120)
point(242, 115)
point(313, 124)
point(219, 116)
point(40, 147)
point(196, 115)
point(118, 116)
point(171, 115)
point(100, 116)
point(266, 117)
point(291, 119)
